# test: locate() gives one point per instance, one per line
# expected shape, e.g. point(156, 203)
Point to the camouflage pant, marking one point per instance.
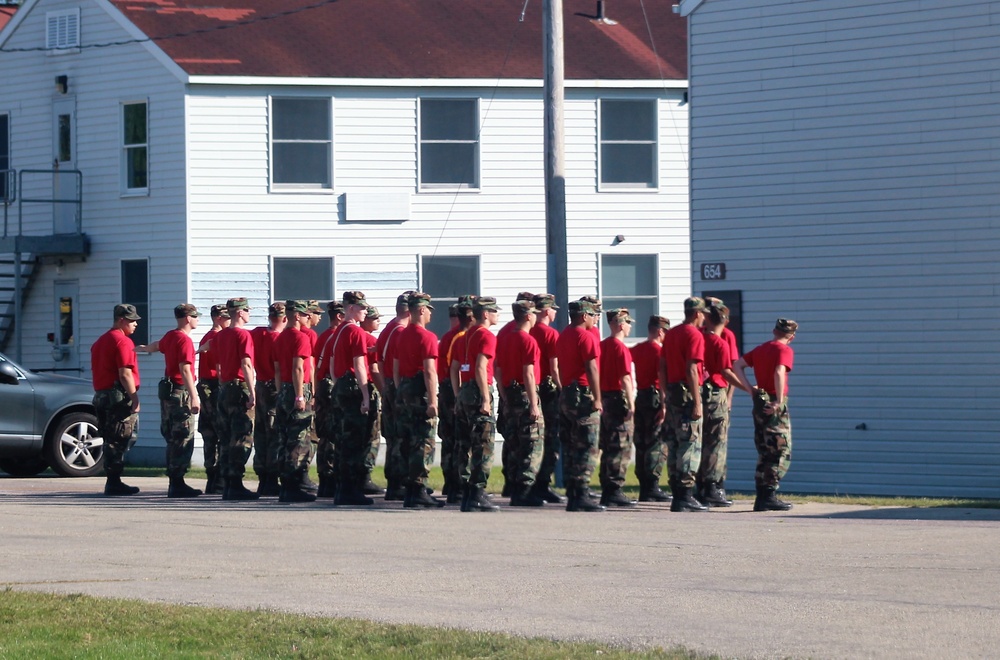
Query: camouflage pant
point(418, 430)
point(682, 436)
point(265, 434)
point(474, 436)
point(395, 467)
point(208, 392)
point(351, 443)
point(118, 426)
point(615, 440)
point(715, 435)
point(579, 424)
point(650, 452)
point(528, 436)
point(236, 430)
point(325, 422)
point(176, 427)
point(772, 435)
point(446, 428)
point(293, 432)
point(373, 429)
point(509, 448)
point(548, 395)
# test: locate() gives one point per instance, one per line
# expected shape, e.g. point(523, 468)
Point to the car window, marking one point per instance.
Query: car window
point(20, 374)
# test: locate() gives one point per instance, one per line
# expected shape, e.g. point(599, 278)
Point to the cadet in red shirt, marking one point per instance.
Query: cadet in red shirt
point(375, 387)
point(324, 421)
point(618, 397)
point(650, 455)
point(208, 390)
point(548, 393)
point(772, 424)
point(179, 400)
point(580, 407)
point(475, 426)
point(509, 449)
point(237, 398)
point(116, 395)
point(266, 462)
point(683, 354)
point(395, 465)
point(450, 464)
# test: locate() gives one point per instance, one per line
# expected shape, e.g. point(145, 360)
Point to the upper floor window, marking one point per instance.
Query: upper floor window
point(628, 144)
point(6, 177)
point(301, 143)
point(62, 31)
point(449, 143)
point(135, 147)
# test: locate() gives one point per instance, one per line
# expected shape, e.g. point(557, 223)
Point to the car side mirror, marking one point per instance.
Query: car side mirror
point(8, 374)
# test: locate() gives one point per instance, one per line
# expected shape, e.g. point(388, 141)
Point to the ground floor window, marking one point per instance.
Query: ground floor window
point(135, 291)
point(632, 281)
point(445, 279)
point(302, 278)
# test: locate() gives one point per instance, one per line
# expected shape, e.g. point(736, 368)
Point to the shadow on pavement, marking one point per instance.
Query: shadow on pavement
point(913, 513)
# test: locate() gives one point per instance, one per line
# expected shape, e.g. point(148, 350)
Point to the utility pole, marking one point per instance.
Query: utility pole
point(555, 159)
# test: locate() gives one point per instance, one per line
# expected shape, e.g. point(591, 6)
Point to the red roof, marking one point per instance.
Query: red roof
point(411, 38)
point(6, 13)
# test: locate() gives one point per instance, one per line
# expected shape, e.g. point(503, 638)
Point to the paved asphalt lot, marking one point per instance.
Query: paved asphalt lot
point(822, 581)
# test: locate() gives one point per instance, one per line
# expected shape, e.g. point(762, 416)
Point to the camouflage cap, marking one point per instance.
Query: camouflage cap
point(403, 297)
point(619, 316)
point(694, 304)
point(314, 307)
point(544, 301)
point(126, 311)
point(486, 304)
point(658, 322)
point(522, 308)
point(713, 302)
point(419, 299)
point(594, 301)
point(355, 298)
point(296, 306)
point(467, 301)
point(220, 312)
point(582, 307)
point(372, 313)
point(276, 310)
point(185, 310)
point(238, 304)
point(525, 295)
point(717, 313)
point(786, 326)
point(335, 307)
point(453, 310)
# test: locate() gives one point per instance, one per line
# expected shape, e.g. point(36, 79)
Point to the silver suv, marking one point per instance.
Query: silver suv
point(47, 421)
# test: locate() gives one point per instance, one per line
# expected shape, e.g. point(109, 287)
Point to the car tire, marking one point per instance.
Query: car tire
point(23, 467)
point(74, 447)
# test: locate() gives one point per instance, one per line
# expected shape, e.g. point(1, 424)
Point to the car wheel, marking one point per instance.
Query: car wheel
point(75, 448)
point(23, 467)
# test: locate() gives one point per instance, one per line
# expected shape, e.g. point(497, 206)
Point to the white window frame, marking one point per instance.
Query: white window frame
point(62, 32)
point(327, 186)
point(280, 257)
point(639, 327)
point(628, 187)
point(126, 148)
point(478, 159)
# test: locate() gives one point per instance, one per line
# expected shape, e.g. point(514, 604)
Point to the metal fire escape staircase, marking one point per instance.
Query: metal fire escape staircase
point(32, 236)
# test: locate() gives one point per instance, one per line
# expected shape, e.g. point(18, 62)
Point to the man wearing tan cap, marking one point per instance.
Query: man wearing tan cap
point(265, 436)
point(549, 385)
point(208, 391)
point(618, 397)
point(395, 464)
point(650, 455)
point(237, 398)
point(294, 415)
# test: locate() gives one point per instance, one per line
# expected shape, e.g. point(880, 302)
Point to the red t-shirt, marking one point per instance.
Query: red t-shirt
point(350, 343)
point(615, 364)
point(465, 349)
point(717, 359)
point(646, 357)
point(683, 344)
point(444, 346)
point(313, 338)
point(575, 348)
point(765, 359)
point(519, 348)
point(730, 337)
point(370, 354)
point(415, 345)
point(176, 347)
point(112, 351)
point(263, 351)
point(207, 362)
point(232, 345)
point(546, 337)
point(290, 344)
point(383, 348)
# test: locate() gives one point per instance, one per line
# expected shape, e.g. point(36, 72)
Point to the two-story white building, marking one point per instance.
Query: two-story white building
point(300, 148)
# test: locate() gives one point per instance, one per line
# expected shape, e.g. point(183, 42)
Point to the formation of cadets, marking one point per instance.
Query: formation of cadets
point(293, 396)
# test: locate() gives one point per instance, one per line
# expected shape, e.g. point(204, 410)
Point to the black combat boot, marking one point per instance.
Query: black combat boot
point(237, 492)
point(526, 496)
point(417, 497)
point(291, 490)
point(712, 495)
point(308, 484)
point(550, 496)
point(394, 491)
point(578, 499)
point(269, 485)
point(114, 487)
point(178, 488)
point(327, 487)
point(372, 488)
point(478, 501)
point(214, 485)
point(613, 496)
point(650, 491)
point(684, 500)
point(349, 493)
point(767, 500)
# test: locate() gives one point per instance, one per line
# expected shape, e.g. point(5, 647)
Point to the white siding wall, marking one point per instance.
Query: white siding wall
point(150, 227)
point(845, 169)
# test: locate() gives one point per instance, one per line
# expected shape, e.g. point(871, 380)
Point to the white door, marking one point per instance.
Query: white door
point(65, 351)
point(64, 186)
